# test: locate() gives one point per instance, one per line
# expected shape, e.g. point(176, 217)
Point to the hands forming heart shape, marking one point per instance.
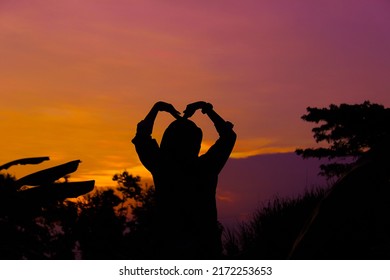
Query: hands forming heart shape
point(188, 112)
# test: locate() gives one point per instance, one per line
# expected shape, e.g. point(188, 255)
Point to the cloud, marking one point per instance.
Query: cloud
point(246, 183)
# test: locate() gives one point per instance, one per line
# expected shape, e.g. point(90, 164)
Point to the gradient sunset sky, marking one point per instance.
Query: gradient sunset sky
point(77, 76)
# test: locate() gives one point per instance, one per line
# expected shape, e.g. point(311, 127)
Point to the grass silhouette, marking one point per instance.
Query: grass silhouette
point(273, 227)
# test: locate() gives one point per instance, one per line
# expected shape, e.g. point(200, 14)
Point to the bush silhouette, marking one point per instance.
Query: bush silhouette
point(273, 227)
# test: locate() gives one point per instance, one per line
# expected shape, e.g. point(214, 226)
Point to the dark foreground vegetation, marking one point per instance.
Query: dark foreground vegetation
point(98, 225)
point(114, 224)
point(271, 231)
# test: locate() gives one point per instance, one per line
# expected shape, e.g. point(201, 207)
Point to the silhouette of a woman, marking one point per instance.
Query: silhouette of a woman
point(186, 217)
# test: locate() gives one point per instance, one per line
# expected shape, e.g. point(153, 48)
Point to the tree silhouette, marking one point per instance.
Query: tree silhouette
point(351, 221)
point(101, 224)
point(138, 209)
point(348, 130)
point(98, 228)
point(141, 201)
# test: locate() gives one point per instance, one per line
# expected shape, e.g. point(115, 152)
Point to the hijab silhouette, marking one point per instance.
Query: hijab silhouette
point(186, 224)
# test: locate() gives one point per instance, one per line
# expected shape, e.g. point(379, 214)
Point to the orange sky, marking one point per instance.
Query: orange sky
point(77, 76)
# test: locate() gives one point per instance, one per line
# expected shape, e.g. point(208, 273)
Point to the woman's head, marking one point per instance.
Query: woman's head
point(182, 140)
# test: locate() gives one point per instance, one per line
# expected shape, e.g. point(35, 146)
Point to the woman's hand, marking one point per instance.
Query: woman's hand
point(193, 107)
point(166, 107)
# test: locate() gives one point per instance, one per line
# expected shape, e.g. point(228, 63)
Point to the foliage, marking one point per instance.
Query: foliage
point(142, 200)
point(273, 228)
point(95, 226)
point(6, 182)
point(348, 130)
point(98, 226)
